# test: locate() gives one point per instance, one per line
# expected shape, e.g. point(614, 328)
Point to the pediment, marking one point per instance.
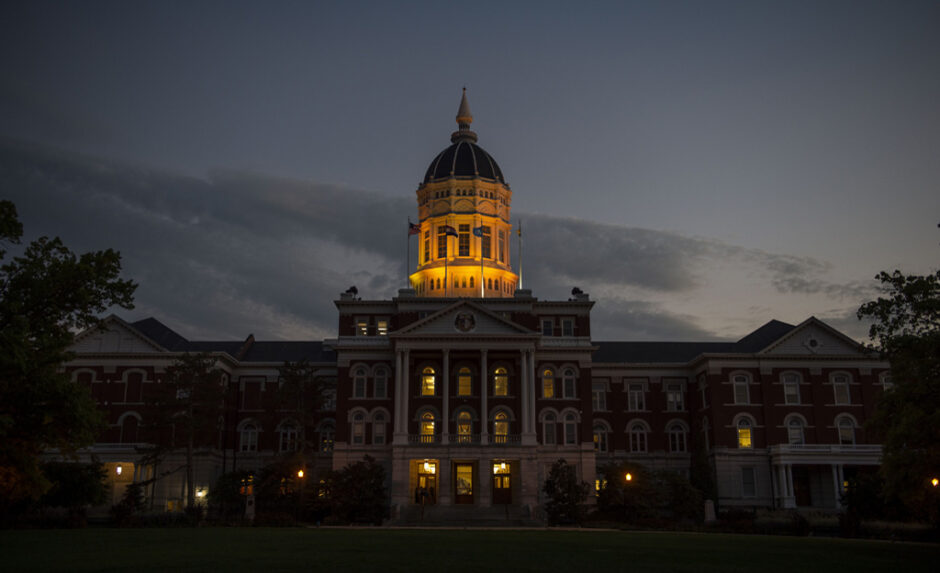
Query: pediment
point(814, 337)
point(463, 318)
point(114, 336)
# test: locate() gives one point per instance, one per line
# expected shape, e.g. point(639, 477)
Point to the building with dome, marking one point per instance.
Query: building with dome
point(466, 387)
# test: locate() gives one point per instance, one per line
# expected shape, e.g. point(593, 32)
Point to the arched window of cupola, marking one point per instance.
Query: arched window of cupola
point(471, 282)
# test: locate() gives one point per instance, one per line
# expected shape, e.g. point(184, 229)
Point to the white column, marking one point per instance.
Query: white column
point(405, 392)
point(524, 393)
point(532, 391)
point(484, 394)
point(398, 392)
point(445, 410)
point(835, 485)
point(789, 468)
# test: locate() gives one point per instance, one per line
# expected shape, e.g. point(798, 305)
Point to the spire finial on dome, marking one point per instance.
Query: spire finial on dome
point(464, 119)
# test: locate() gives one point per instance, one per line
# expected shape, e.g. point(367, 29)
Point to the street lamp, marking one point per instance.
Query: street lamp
point(628, 477)
point(935, 482)
point(300, 474)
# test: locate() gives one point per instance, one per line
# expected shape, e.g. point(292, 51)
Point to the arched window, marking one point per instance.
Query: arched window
point(381, 383)
point(359, 383)
point(548, 430)
point(744, 434)
point(571, 429)
point(548, 383)
point(471, 282)
point(677, 441)
point(741, 391)
point(359, 428)
point(428, 381)
point(791, 388)
point(327, 434)
point(846, 431)
point(464, 427)
point(600, 438)
point(706, 434)
point(464, 382)
point(568, 379)
point(287, 437)
point(500, 428)
point(427, 428)
point(378, 429)
point(795, 431)
point(638, 438)
point(489, 284)
point(500, 382)
point(248, 438)
point(129, 427)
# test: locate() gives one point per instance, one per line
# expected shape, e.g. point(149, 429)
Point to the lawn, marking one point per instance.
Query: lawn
point(297, 549)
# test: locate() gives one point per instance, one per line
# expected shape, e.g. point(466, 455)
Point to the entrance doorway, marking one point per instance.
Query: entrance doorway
point(463, 483)
point(502, 485)
point(426, 488)
point(801, 486)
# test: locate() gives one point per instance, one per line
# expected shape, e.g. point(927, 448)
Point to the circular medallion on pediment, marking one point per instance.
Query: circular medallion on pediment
point(465, 322)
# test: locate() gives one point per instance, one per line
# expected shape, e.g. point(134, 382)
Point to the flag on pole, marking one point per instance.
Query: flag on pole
point(413, 229)
point(478, 231)
point(448, 230)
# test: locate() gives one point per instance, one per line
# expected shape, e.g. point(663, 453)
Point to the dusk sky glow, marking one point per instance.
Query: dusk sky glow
point(698, 168)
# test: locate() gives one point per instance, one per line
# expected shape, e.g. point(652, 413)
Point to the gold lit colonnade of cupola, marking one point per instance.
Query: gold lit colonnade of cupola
point(464, 227)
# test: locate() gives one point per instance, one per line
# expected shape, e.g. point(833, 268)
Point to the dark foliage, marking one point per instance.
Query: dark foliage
point(565, 494)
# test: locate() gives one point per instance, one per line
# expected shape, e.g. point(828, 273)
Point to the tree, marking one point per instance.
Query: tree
point(906, 330)
point(359, 494)
point(300, 396)
point(566, 495)
point(185, 411)
point(47, 293)
point(74, 486)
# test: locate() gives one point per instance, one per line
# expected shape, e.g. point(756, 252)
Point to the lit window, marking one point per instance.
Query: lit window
point(362, 327)
point(500, 428)
point(600, 438)
point(674, 402)
point(464, 427)
point(795, 431)
point(569, 383)
point(288, 438)
point(748, 483)
point(637, 398)
point(840, 387)
point(464, 382)
point(427, 428)
point(326, 438)
point(381, 383)
point(463, 240)
point(571, 430)
point(378, 429)
point(567, 327)
point(744, 434)
point(358, 428)
point(485, 242)
point(381, 328)
point(502, 246)
point(249, 438)
point(677, 439)
point(428, 379)
point(791, 389)
point(500, 382)
point(599, 396)
point(359, 383)
point(548, 429)
point(846, 431)
point(741, 390)
point(637, 438)
point(441, 244)
point(548, 383)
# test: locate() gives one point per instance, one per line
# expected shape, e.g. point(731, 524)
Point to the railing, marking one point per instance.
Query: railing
point(464, 439)
point(424, 439)
point(506, 439)
point(826, 448)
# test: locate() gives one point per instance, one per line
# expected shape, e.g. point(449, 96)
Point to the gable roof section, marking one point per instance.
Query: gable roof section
point(441, 323)
point(159, 333)
point(115, 335)
point(831, 341)
point(763, 336)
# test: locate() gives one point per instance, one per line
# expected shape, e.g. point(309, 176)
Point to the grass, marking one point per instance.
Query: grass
point(327, 549)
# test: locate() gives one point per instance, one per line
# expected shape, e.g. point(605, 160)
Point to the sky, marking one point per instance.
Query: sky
point(698, 168)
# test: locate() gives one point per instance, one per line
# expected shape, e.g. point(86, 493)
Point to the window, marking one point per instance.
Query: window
point(599, 396)
point(744, 434)
point(791, 389)
point(378, 429)
point(358, 428)
point(703, 388)
point(428, 378)
point(677, 442)
point(748, 483)
point(887, 383)
point(427, 249)
point(362, 327)
point(327, 432)
point(548, 383)
point(500, 428)
point(567, 327)
point(427, 428)
point(637, 438)
point(464, 382)
point(248, 440)
point(463, 240)
point(381, 328)
point(674, 402)
point(840, 387)
point(441, 244)
point(706, 434)
point(600, 438)
point(502, 246)
point(464, 427)
point(548, 429)
point(485, 243)
point(471, 282)
point(741, 391)
point(846, 431)
point(636, 398)
point(500, 382)
point(795, 431)
point(547, 327)
point(569, 383)
point(287, 438)
point(359, 383)
point(329, 399)
point(381, 383)
point(571, 429)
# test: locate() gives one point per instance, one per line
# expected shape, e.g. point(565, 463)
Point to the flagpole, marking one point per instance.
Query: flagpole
point(520, 253)
point(482, 282)
point(408, 251)
point(446, 256)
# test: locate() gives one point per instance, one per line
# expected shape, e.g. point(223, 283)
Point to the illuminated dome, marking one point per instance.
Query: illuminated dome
point(463, 158)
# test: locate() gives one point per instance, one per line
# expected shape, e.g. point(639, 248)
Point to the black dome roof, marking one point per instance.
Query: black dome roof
point(463, 158)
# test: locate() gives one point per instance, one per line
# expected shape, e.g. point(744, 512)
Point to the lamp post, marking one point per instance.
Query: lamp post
point(300, 508)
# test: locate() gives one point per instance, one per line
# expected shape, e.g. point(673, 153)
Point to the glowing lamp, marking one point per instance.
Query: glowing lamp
point(118, 470)
point(502, 466)
point(427, 467)
point(300, 473)
point(628, 477)
point(200, 493)
point(935, 482)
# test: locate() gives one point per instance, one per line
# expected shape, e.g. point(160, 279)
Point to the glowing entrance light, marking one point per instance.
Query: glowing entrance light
point(628, 477)
point(118, 470)
point(935, 482)
point(300, 473)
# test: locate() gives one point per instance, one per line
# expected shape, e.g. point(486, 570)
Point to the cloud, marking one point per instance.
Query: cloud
point(243, 252)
